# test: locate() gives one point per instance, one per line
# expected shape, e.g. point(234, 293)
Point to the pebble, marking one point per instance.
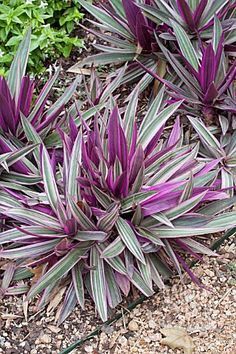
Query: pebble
point(88, 349)
point(152, 324)
point(133, 326)
point(44, 339)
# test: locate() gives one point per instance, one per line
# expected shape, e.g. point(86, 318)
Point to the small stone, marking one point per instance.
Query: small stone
point(155, 337)
point(33, 351)
point(151, 324)
point(45, 339)
point(122, 340)
point(88, 349)
point(133, 326)
point(209, 273)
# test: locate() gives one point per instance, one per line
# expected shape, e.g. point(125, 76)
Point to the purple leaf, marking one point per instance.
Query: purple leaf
point(117, 145)
point(208, 68)
point(186, 14)
point(211, 94)
point(199, 11)
point(175, 134)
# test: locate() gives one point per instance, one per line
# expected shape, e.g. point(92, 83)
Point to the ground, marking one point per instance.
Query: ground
point(207, 315)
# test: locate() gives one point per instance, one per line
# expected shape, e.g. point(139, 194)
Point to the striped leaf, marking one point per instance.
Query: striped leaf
point(115, 248)
point(80, 216)
point(185, 45)
point(98, 284)
point(18, 66)
point(28, 251)
point(129, 238)
point(204, 133)
point(59, 269)
point(49, 181)
point(155, 123)
point(90, 236)
point(78, 283)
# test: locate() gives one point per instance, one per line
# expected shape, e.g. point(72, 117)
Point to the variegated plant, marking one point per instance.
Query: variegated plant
point(128, 34)
point(219, 145)
point(125, 206)
point(205, 74)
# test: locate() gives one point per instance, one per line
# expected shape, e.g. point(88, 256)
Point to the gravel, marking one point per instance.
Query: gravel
point(207, 315)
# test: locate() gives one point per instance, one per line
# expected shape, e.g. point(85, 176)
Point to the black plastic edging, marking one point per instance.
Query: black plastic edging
point(215, 246)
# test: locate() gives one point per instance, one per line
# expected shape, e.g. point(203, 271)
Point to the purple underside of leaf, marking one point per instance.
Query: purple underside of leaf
point(136, 164)
point(186, 13)
point(228, 79)
point(211, 94)
point(189, 272)
point(48, 119)
point(143, 33)
point(153, 143)
point(123, 282)
point(208, 167)
point(133, 13)
point(208, 68)
point(26, 95)
point(175, 134)
point(199, 11)
point(121, 185)
point(8, 117)
point(117, 145)
point(18, 166)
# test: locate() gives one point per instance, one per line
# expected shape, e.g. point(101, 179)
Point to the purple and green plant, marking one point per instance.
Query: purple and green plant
point(219, 144)
point(126, 34)
point(128, 205)
point(17, 100)
point(196, 17)
point(128, 30)
point(205, 75)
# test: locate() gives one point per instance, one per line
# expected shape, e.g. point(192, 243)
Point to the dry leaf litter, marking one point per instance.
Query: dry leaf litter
point(182, 319)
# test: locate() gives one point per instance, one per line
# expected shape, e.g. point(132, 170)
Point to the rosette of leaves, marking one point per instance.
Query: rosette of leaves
point(205, 75)
point(219, 145)
point(126, 34)
point(196, 17)
point(20, 106)
point(124, 208)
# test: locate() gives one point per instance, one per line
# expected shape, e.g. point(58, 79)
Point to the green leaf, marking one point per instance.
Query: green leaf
point(78, 282)
point(102, 59)
point(205, 134)
point(80, 216)
point(155, 124)
point(217, 32)
point(50, 182)
point(90, 236)
point(74, 166)
point(59, 269)
point(106, 19)
point(216, 6)
point(113, 249)
point(29, 216)
point(129, 238)
point(28, 251)
point(185, 45)
point(134, 199)
point(98, 284)
point(139, 282)
point(114, 297)
point(18, 66)
point(184, 207)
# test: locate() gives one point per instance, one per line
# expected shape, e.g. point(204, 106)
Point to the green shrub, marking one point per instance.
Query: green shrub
point(52, 21)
